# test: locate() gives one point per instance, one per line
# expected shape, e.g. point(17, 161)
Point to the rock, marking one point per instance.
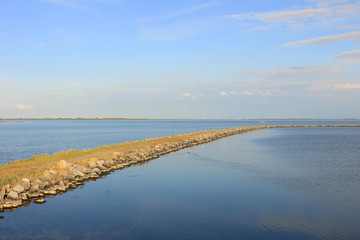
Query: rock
point(82, 169)
point(96, 170)
point(26, 184)
point(77, 173)
point(39, 201)
point(12, 195)
point(7, 188)
point(117, 156)
point(61, 184)
point(100, 164)
point(19, 188)
point(62, 164)
point(110, 162)
point(34, 188)
point(46, 176)
point(69, 176)
point(92, 165)
point(2, 194)
point(50, 192)
point(24, 196)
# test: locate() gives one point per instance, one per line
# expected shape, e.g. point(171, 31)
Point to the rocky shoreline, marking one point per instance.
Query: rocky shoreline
point(64, 175)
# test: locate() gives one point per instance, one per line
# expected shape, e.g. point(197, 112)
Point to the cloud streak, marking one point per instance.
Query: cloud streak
point(24, 107)
point(293, 72)
point(345, 37)
point(185, 96)
point(323, 15)
point(349, 57)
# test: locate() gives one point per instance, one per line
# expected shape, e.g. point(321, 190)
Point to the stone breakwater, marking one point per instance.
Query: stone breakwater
point(67, 175)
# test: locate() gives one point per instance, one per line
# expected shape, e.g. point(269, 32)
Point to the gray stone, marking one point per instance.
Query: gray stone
point(62, 164)
point(96, 170)
point(2, 194)
point(13, 195)
point(19, 188)
point(7, 188)
point(100, 164)
point(26, 184)
point(83, 169)
point(39, 201)
point(92, 165)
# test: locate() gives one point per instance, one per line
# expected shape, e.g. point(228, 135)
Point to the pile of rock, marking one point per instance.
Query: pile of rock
point(65, 175)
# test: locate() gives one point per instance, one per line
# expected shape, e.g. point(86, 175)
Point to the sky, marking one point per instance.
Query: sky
point(220, 59)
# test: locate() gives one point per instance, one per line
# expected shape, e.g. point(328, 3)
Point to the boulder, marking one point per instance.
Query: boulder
point(13, 195)
point(62, 164)
point(82, 169)
point(26, 184)
point(39, 201)
point(7, 188)
point(34, 188)
point(96, 170)
point(19, 188)
point(92, 164)
point(2, 195)
point(117, 156)
point(100, 164)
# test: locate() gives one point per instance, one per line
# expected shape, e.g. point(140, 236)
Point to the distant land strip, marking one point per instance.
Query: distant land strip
point(187, 119)
point(33, 179)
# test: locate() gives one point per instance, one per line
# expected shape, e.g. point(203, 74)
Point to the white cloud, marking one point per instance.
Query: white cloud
point(323, 3)
point(246, 92)
point(323, 15)
point(349, 57)
point(24, 107)
point(290, 72)
point(283, 16)
point(224, 94)
point(345, 37)
point(185, 96)
point(264, 92)
point(324, 87)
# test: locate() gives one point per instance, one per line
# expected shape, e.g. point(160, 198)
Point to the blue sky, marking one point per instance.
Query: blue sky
point(180, 59)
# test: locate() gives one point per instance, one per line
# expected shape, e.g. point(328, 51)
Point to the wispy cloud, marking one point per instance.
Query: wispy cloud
point(185, 96)
point(177, 24)
point(345, 37)
point(246, 92)
point(343, 87)
point(323, 14)
point(24, 107)
point(349, 57)
point(293, 72)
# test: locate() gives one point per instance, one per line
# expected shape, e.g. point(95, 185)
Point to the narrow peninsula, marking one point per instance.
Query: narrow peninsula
point(47, 175)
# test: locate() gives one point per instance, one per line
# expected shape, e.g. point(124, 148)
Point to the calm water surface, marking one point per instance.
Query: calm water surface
point(268, 184)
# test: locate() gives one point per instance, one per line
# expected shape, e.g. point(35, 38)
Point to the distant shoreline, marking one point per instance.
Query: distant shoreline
point(186, 119)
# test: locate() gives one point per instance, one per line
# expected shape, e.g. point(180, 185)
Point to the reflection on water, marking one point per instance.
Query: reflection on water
point(256, 185)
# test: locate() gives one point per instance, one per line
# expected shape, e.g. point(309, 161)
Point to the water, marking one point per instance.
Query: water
point(295, 183)
point(23, 139)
